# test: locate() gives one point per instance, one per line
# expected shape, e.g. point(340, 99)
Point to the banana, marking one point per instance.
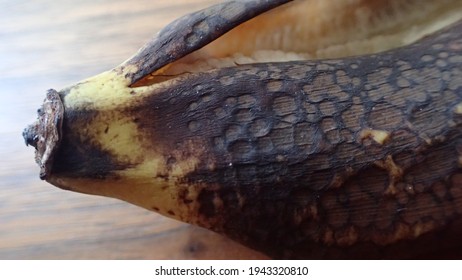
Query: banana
point(310, 129)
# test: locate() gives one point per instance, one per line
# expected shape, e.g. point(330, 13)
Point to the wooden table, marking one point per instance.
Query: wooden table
point(50, 44)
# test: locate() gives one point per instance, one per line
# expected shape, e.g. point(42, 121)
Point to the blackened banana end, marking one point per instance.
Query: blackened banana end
point(45, 133)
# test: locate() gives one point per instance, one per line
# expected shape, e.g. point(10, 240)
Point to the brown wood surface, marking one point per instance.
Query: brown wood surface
point(50, 44)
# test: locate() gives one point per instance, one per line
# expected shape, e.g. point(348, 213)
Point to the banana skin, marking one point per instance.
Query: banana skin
point(353, 157)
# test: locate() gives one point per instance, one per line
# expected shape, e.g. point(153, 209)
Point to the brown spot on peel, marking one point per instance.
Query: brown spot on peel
point(395, 173)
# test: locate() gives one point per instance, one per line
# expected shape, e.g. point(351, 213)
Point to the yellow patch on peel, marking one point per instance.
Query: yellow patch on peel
point(119, 135)
point(104, 91)
point(137, 185)
point(379, 136)
point(458, 109)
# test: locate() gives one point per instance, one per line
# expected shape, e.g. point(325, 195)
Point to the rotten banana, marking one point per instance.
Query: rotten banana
point(250, 120)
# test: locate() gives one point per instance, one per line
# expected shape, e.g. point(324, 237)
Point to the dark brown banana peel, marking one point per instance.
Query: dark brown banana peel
point(358, 157)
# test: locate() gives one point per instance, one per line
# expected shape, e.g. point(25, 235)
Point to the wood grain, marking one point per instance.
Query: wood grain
point(50, 44)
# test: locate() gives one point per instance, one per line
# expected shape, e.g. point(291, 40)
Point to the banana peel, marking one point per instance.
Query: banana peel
point(337, 135)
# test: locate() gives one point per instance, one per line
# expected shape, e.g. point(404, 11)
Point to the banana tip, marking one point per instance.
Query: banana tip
point(45, 133)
